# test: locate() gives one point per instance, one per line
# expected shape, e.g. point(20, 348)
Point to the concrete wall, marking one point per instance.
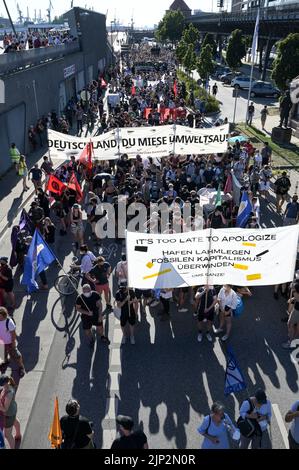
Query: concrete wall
point(38, 90)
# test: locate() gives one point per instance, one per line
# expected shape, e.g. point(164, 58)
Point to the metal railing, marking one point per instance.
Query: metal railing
point(14, 61)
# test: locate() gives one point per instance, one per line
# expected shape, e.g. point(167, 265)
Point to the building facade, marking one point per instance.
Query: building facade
point(181, 6)
point(39, 81)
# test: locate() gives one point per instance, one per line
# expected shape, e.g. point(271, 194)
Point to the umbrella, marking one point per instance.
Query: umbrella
point(240, 138)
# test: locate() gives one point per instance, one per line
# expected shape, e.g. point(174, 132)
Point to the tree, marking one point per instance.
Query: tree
point(181, 50)
point(236, 49)
point(171, 26)
point(190, 35)
point(189, 60)
point(209, 39)
point(286, 64)
point(205, 64)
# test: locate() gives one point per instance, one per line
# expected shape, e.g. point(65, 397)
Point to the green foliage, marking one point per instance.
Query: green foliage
point(205, 63)
point(236, 49)
point(209, 39)
point(286, 64)
point(189, 59)
point(181, 50)
point(212, 105)
point(171, 26)
point(190, 35)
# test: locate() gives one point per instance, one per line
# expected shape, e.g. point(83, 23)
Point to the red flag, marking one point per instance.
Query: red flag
point(103, 83)
point(73, 184)
point(229, 184)
point(133, 91)
point(55, 185)
point(175, 89)
point(85, 157)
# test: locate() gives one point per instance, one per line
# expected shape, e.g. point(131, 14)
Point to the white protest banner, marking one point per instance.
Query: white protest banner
point(242, 257)
point(159, 141)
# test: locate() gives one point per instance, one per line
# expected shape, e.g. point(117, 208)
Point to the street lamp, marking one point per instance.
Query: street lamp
point(111, 32)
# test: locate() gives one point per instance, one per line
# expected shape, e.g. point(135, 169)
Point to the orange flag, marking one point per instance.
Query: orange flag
point(55, 434)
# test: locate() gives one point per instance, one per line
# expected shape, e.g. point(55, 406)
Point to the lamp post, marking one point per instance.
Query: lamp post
point(112, 48)
point(236, 95)
point(12, 25)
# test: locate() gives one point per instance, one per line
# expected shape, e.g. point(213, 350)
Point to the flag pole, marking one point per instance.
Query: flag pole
point(253, 51)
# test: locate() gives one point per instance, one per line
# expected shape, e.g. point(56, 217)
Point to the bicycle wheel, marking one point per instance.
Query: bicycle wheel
point(66, 285)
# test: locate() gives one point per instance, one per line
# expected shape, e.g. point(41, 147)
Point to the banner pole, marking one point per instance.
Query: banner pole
point(210, 244)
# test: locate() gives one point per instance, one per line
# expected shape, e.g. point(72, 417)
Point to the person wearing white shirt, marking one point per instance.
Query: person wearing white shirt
point(257, 159)
point(87, 262)
point(121, 270)
point(257, 408)
point(227, 300)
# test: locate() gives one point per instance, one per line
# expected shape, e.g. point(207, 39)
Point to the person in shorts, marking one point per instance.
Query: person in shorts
point(282, 186)
point(89, 304)
point(99, 275)
point(126, 300)
point(8, 407)
point(8, 338)
point(205, 301)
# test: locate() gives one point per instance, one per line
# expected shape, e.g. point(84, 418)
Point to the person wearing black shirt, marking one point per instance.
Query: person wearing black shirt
point(216, 219)
point(49, 231)
point(76, 430)
point(99, 275)
point(129, 439)
point(89, 304)
point(205, 301)
point(6, 281)
point(127, 301)
point(36, 177)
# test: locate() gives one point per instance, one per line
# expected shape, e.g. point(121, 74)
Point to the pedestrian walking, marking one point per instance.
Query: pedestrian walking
point(7, 283)
point(128, 438)
point(14, 154)
point(165, 297)
point(228, 301)
point(215, 89)
point(264, 114)
point(127, 302)
point(36, 177)
point(282, 186)
point(121, 270)
point(23, 171)
point(89, 305)
point(8, 337)
point(250, 113)
point(205, 301)
point(292, 416)
point(99, 276)
point(77, 228)
point(76, 430)
point(293, 319)
point(9, 408)
point(291, 214)
point(215, 428)
point(255, 418)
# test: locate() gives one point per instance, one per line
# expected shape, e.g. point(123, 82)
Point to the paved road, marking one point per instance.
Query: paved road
point(167, 381)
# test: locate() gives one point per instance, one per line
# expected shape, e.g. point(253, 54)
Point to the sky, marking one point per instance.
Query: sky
point(145, 13)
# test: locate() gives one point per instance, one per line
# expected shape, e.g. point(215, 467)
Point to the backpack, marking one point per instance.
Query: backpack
point(249, 427)
point(6, 325)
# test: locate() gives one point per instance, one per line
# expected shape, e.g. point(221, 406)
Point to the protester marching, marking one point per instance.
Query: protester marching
point(188, 206)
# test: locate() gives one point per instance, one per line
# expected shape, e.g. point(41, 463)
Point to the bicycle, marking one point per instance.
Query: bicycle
point(67, 284)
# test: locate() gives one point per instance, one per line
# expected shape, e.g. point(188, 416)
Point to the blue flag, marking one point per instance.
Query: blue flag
point(244, 210)
point(234, 380)
point(38, 258)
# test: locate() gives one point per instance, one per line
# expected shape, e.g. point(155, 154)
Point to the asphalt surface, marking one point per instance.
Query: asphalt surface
point(167, 381)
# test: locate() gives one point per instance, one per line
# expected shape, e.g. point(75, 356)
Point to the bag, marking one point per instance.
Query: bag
point(239, 308)
point(117, 311)
point(249, 427)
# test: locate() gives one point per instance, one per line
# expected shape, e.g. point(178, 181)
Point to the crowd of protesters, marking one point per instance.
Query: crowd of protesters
point(67, 209)
point(35, 40)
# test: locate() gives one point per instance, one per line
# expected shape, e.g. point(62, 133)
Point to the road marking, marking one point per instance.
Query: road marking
point(111, 408)
point(108, 437)
point(115, 358)
point(281, 425)
point(117, 336)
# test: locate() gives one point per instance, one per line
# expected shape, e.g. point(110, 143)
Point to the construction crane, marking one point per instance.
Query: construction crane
point(28, 16)
point(49, 10)
point(39, 19)
point(20, 18)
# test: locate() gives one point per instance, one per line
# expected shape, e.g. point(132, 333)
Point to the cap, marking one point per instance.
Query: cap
point(123, 284)
point(261, 397)
point(4, 379)
point(4, 258)
point(125, 421)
